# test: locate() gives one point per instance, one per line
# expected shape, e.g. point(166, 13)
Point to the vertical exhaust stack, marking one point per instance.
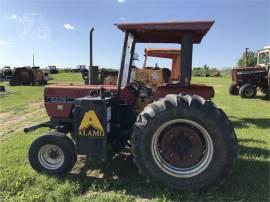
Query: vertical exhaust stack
point(93, 70)
point(90, 55)
point(246, 57)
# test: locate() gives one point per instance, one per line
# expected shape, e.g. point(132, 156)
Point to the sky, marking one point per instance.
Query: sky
point(57, 31)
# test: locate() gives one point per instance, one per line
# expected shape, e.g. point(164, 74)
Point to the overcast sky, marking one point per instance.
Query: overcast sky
point(57, 31)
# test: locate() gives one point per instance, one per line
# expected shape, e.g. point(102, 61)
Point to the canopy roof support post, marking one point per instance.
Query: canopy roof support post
point(145, 60)
point(186, 60)
point(122, 65)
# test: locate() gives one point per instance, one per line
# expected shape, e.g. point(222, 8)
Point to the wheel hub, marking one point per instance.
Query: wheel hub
point(182, 148)
point(51, 156)
point(249, 92)
point(181, 145)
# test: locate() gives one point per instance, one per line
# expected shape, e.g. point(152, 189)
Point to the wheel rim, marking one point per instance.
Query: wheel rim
point(51, 156)
point(182, 148)
point(249, 92)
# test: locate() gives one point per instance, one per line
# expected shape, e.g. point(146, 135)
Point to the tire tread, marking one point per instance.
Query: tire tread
point(188, 104)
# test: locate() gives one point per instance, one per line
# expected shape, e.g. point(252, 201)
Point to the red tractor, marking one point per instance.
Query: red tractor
point(179, 138)
point(246, 81)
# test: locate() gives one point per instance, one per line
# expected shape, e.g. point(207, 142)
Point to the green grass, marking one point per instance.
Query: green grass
point(249, 180)
point(67, 77)
point(19, 96)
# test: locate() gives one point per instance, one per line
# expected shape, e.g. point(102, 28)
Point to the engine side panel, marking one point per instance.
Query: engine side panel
point(59, 99)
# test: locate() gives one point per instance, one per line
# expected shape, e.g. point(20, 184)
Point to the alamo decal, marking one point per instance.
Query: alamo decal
point(90, 125)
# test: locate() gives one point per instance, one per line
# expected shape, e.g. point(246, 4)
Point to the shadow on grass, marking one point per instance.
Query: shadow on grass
point(265, 98)
point(245, 122)
point(262, 97)
point(249, 180)
point(253, 152)
point(248, 140)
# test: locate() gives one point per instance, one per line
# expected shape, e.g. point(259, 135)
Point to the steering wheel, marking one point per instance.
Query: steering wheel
point(138, 85)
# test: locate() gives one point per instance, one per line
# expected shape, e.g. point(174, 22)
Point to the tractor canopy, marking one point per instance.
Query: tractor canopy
point(167, 32)
point(185, 33)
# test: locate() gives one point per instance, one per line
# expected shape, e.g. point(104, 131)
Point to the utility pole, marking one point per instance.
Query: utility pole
point(33, 60)
point(246, 57)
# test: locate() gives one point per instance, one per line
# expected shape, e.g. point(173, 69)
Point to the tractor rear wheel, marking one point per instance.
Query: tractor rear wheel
point(184, 142)
point(233, 90)
point(52, 154)
point(248, 91)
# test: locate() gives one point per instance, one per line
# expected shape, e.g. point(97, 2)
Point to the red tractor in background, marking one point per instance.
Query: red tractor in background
point(178, 137)
point(246, 81)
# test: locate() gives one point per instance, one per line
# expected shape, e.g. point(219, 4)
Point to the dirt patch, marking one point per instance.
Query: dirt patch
point(16, 120)
point(4, 115)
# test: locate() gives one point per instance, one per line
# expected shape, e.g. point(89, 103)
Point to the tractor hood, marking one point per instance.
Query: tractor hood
point(74, 91)
point(59, 99)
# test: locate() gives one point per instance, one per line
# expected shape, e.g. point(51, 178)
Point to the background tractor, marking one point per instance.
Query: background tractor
point(150, 76)
point(154, 76)
point(101, 76)
point(178, 137)
point(246, 81)
point(52, 69)
point(6, 73)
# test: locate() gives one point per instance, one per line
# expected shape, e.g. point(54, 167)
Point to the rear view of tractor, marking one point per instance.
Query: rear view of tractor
point(101, 76)
point(53, 69)
point(176, 135)
point(28, 76)
point(6, 74)
point(246, 81)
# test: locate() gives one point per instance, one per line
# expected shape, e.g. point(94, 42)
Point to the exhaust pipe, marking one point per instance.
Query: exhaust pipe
point(90, 54)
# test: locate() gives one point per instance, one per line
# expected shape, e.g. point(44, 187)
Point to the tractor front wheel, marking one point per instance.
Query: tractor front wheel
point(248, 91)
point(233, 90)
point(52, 154)
point(184, 142)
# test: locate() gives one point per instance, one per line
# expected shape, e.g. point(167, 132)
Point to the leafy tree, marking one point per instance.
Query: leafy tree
point(206, 67)
point(252, 59)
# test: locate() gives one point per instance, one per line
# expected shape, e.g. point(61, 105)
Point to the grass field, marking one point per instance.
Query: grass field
point(118, 180)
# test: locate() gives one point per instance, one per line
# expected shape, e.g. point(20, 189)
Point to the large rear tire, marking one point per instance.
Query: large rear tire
point(184, 142)
point(248, 91)
point(52, 154)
